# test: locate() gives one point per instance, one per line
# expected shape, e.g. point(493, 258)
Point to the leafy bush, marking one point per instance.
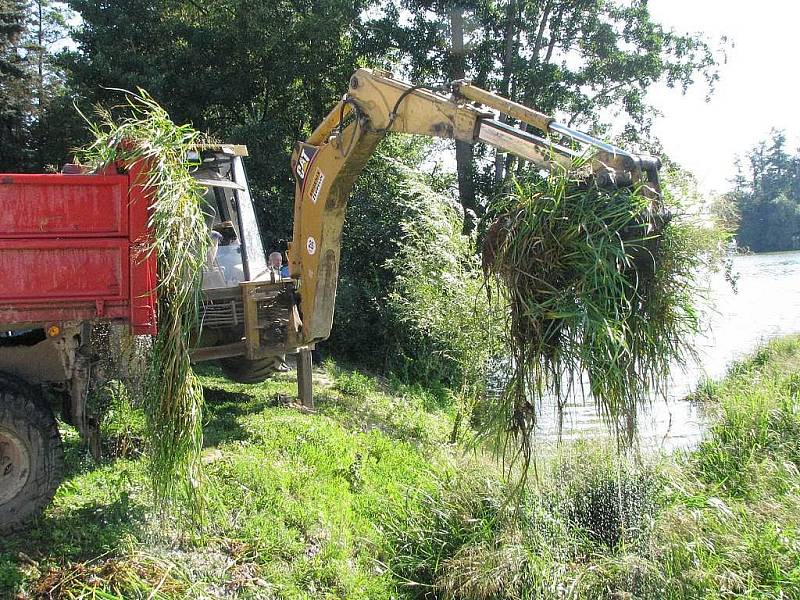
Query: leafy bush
point(370, 238)
point(413, 303)
point(447, 329)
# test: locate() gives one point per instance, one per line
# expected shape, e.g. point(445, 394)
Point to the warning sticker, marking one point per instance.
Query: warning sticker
point(316, 185)
point(311, 245)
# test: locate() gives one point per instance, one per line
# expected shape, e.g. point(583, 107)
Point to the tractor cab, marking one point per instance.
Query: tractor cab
point(236, 251)
point(249, 316)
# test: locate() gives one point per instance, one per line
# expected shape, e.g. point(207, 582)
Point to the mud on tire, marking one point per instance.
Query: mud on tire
point(31, 455)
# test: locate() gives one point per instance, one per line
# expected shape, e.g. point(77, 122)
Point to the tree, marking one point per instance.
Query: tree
point(766, 195)
point(464, 156)
point(267, 72)
point(581, 60)
point(259, 73)
point(12, 21)
point(46, 31)
point(12, 85)
point(46, 28)
point(38, 119)
point(54, 124)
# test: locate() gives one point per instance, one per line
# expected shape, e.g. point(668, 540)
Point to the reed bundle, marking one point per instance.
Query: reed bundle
point(600, 295)
point(179, 239)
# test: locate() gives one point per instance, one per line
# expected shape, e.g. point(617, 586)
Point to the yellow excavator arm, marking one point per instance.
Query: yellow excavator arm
point(328, 163)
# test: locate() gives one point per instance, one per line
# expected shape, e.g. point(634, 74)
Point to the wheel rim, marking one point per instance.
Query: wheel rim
point(15, 465)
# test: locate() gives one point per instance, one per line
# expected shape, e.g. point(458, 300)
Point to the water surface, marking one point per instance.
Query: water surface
point(766, 305)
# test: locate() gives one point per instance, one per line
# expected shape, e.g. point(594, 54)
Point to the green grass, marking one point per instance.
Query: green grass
point(295, 507)
point(365, 498)
point(719, 522)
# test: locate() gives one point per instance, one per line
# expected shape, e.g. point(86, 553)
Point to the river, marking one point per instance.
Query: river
point(766, 305)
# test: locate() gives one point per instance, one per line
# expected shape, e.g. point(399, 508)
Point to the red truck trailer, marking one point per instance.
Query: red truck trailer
point(74, 252)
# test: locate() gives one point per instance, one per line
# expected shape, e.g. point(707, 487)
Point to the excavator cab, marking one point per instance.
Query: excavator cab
point(237, 253)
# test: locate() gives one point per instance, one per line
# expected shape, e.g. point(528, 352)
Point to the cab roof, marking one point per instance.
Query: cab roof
point(231, 149)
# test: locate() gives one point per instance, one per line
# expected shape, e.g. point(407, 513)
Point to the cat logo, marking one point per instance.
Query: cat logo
point(306, 155)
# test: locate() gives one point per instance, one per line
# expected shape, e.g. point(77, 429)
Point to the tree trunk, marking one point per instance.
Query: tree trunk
point(464, 162)
point(40, 50)
point(505, 85)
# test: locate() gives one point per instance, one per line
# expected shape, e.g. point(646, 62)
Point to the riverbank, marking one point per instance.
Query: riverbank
point(367, 499)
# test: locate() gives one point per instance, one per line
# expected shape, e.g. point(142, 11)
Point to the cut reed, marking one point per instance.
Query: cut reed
point(179, 238)
point(599, 285)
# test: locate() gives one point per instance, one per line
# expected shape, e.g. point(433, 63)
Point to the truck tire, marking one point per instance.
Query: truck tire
point(242, 370)
point(31, 456)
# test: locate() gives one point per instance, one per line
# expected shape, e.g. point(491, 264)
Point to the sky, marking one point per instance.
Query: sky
point(759, 86)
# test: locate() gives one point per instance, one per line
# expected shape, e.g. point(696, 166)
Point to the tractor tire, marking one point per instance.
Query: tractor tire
point(31, 456)
point(242, 370)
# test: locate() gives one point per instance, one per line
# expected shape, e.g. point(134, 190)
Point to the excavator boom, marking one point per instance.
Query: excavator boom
point(328, 163)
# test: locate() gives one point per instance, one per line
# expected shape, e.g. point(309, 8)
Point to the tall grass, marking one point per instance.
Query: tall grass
point(755, 442)
point(466, 540)
point(355, 502)
point(600, 288)
point(179, 239)
point(720, 521)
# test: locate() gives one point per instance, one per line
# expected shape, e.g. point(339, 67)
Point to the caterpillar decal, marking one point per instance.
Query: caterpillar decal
point(304, 158)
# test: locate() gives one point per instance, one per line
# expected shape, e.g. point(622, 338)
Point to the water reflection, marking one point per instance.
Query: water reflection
point(767, 305)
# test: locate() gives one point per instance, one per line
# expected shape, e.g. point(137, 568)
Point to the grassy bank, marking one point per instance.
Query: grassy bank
point(722, 521)
point(297, 499)
point(366, 499)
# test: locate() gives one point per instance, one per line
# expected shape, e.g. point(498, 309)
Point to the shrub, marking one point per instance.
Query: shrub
point(447, 331)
